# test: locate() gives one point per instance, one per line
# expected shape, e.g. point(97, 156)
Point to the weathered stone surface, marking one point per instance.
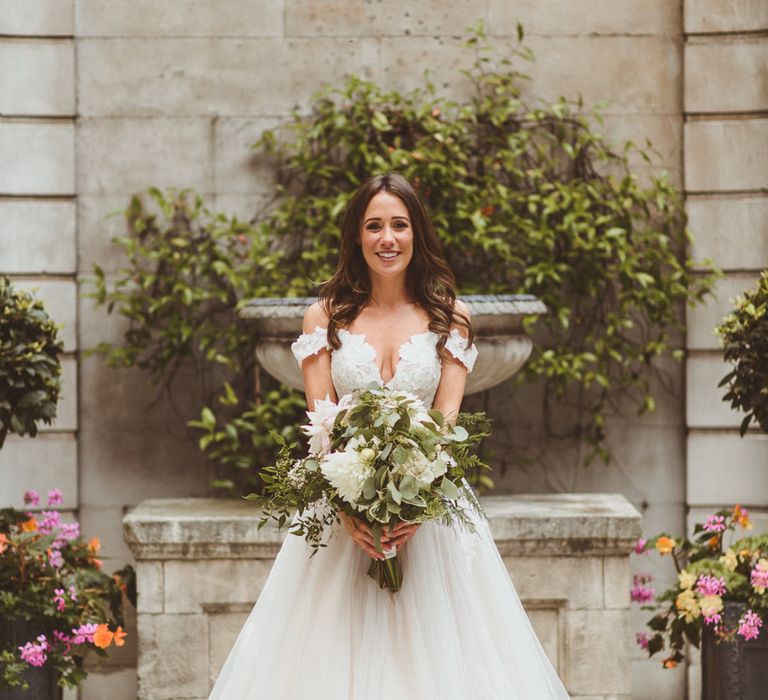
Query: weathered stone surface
point(38, 158)
point(706, 408)
point(730, 230)
point(714, 453)
point(651, 681)
point(223, 629)
point(99, 220)
point(150, 585)
point(42, 17)
point(189, 585)
point(726, 155)
point(125, 156)
point(59, 298)
point(179, 18)
point(718, 16)
point(588, 17)
point(105, 522)
point(46, 462)
point(616, 582)
point(37, 236)
point(547, 578)
point(66, 409)
point(37, 77)
point(115, 684)
point(598, 652)
point(368, 18)
point(664, 131)
point(547, 624)
point(214, 76)
point(726, 75)
point(173, 648)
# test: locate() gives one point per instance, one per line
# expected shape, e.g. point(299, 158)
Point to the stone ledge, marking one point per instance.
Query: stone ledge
point(589, 524)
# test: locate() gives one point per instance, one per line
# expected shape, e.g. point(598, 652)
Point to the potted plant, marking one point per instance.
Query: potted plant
point(720, 596)
point(56, 603)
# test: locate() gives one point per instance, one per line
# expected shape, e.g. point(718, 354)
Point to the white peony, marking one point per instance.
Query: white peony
point(346, 471)
point(420, 468)
point(321, 423)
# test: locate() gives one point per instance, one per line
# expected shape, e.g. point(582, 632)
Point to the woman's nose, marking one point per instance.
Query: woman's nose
point(388, 235)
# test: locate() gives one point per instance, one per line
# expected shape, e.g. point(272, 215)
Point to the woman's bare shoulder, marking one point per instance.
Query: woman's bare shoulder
point(315, 316)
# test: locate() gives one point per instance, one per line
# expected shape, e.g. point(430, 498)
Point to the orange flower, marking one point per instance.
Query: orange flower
point(665, 544)
point(96, 563)
point(29, 525)
point(3, 543)
point(741, 516)
point(669, 662)
point(120, 637)
point(103, 636)
point(713, 542)
point(94, 544)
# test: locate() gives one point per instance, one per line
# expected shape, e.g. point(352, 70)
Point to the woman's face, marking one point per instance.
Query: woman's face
point(386, 236)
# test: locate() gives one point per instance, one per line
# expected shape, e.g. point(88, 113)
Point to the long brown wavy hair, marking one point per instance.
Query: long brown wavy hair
point(429, 280)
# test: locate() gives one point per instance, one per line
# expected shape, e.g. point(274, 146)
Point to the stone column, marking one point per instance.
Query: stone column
point(201, 564)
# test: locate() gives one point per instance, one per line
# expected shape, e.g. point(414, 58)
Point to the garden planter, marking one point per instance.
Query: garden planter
point(736, 670)
point(42, 680)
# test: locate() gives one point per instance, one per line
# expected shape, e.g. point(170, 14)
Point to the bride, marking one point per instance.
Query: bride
point(321, 627)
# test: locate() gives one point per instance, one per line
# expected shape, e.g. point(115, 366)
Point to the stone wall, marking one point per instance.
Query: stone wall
point(201, 565)
point(102, 98)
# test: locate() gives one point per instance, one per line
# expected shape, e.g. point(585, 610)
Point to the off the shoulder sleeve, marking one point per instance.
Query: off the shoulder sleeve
point(456, 344)
point(310, 343)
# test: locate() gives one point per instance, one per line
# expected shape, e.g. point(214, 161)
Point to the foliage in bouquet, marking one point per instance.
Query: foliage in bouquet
point(379, 455)
point(709, 573)
point(745, 345)
point(30, 369)
point(52, 578)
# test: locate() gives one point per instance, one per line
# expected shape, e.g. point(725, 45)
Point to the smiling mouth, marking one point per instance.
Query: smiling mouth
point(389, 255)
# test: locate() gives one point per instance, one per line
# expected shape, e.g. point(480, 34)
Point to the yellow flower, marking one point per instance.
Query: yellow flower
point(687, 606)
point(686, 579)
point(729, 559)
point(745, 553)
point(29, 525)
point(711, 604)
point(665, 544)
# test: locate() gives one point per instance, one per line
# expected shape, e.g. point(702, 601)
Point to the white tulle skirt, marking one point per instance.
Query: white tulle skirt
point(323, 629)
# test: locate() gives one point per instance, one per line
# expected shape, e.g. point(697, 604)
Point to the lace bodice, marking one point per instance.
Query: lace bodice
point(353, 365)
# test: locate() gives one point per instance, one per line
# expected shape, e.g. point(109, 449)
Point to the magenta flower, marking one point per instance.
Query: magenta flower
point(84, 633)
point(55, 559)
point(642, 639)
point(749, 625)
point(51, 520)
point(69, 531)
point(715, 620)
point(31, 497)
point(63, 639)
point(640, 546)
point(715, 523)
point(58, 598)
point(34, 654)
point(72, 593)
point(709, 585)
point(55, 497)
point(641, 593)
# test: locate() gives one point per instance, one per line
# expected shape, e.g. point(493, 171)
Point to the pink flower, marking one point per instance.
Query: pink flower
point(34, 654)
point(59, 599)
point(642, 639)
point(69, 531)
point(55, 559)
point(640, 592)
point(72, 593)
point(31, 497)
point(715, 523)
point(63, 639)
point(749, 625)
point(640, 546)
point(709, 585)
point(84, 633)
point(51, 520)
point(759, 576)
point(715, 620)
point(55, 497)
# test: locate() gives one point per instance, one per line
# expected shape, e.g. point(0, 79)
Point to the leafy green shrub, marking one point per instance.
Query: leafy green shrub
point(745, 344)
point(30, 369)
point(527, 198)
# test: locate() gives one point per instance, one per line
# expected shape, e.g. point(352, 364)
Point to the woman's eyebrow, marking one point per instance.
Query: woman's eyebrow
point(378, 218)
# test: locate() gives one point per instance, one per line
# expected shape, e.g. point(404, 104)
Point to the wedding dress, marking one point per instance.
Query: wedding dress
point(322, 629)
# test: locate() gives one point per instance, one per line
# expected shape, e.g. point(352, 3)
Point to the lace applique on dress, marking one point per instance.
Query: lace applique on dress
point(309, 343)
point(456, 344)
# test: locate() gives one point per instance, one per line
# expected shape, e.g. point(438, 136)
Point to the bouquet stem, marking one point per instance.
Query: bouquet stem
point(387, 573)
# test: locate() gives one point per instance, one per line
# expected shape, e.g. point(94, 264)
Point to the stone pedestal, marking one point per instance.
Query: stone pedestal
point(201, 564)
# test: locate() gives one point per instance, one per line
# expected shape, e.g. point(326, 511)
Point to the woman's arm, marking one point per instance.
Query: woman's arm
point(317, 367)
point(453, 378)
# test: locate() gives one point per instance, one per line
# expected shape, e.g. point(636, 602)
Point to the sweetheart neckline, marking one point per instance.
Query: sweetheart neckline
point(375, 354)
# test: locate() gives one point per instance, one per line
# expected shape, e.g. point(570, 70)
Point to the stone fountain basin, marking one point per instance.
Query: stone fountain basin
point(497, 321)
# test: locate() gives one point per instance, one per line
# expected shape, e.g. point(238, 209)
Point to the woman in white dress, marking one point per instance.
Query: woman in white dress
point(322, 628)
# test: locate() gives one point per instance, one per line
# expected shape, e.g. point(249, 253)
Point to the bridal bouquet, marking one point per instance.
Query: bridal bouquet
point(378, 455)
